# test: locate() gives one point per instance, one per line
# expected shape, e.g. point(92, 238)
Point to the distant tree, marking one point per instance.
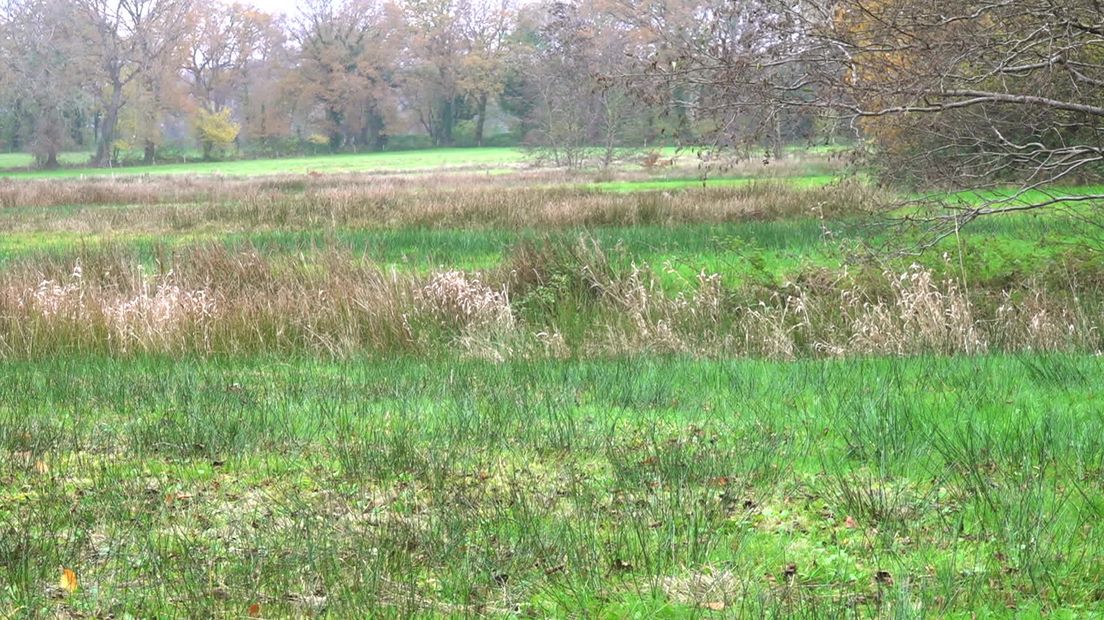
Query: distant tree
point(220, 43)
point(345, 68)
point(127, 44)
point(157, 96)
point(216, 131)
point(486, 28)
point(456, 54)
point(971, 95)
point(233, 60)
point(41, 80)
point(431, 69)
point(579, 110)
point(265, 107)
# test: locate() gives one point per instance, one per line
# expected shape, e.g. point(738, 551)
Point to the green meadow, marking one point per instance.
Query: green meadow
point(322, 164)
point(616, 394)
point(621, 488)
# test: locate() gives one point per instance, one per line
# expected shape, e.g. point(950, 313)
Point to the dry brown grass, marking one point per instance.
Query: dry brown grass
point(520, 199)
point(211, 300)
point(478, 207)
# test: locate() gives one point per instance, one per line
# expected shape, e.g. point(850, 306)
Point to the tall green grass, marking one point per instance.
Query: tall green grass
point(999, 249)
point(634, 487)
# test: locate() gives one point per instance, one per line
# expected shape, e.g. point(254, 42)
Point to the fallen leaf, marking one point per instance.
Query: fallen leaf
point(254, 610)
point(41, 467)
point(850, 522)
point(68, 580)
point(621, 565)
point(714, 605)
point(172, 498)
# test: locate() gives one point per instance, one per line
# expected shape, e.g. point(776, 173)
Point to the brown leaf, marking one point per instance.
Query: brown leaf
point(68, 580)
point(254, 610)
point(714, 605)
point(850, 522)
point(172, 498)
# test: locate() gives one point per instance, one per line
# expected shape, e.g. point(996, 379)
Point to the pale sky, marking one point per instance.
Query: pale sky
point(276, 7)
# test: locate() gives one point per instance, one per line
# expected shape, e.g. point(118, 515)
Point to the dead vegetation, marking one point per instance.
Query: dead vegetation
point(175, 209)
point(214, 300)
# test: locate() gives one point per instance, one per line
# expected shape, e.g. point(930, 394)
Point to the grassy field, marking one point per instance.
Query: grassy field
point(540, 393)
point(9, 161)
point(620, 488)
point(497, 160)
point(490, 157)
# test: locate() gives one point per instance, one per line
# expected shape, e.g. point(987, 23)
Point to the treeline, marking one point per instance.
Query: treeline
point(152, 79)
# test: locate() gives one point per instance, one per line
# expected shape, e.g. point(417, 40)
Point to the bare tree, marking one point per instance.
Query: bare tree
point(42, 77)
point(219, 44)
point(128, 40)
point(732, 64)
point(486, 26)
point(999, 97)
point(580, 113)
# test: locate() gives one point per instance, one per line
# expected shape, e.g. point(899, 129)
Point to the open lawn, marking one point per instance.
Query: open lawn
point(535, 393)
point(9, 161)
point(620, 488)
point(495, 160)
point(487, 157)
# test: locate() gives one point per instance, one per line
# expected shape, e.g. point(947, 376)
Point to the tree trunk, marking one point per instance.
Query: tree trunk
point(448, 119)
point(778, 147)
point(149, 153)
point(337, 137)
point(374, 126)
point(108, 124)
point(51, 162)
point(481, 120)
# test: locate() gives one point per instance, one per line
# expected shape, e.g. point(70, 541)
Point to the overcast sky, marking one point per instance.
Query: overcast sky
point(287, 7)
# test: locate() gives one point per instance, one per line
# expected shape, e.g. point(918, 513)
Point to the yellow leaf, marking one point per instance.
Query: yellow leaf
point(68, 581)
point(714, 605)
